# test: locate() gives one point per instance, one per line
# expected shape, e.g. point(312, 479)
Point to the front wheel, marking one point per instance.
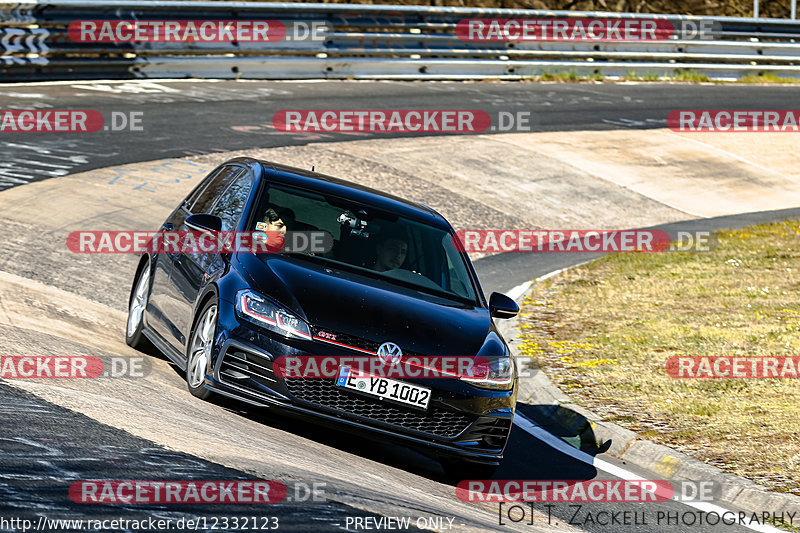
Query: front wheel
point(199, 352)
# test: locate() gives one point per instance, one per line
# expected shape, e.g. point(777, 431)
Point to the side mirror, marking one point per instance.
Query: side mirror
point(501, 306)
point(203, 222)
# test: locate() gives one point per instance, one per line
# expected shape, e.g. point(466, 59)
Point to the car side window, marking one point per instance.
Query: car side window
point(203, 199)
point(231, 203)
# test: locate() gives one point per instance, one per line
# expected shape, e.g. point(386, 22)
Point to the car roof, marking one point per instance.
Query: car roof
point(306, 179)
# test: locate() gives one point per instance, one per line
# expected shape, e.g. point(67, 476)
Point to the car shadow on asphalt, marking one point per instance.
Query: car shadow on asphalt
point(341, 438)
point(526, 456)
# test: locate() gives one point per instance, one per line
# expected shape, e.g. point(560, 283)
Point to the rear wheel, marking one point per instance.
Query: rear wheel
point(199, 351)
point(136, 306)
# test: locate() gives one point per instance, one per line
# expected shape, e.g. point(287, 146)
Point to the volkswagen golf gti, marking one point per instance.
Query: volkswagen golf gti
point(392, 283)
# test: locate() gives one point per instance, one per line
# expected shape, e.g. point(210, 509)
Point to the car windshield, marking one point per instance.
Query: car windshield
point(370, 241)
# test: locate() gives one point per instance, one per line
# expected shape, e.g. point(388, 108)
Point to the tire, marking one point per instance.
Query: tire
point(198, 351)
point(136, 307)
point(461, 470)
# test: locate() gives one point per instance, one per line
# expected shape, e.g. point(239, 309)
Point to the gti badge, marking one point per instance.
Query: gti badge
point(390, 353)
point(326, 335)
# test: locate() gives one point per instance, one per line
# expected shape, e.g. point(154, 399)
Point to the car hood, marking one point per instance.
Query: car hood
point(341, 301)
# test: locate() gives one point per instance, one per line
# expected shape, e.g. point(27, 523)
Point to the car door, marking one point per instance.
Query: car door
point(167, 299)
point(161, 308)
point(158, 304)
point(190, 272)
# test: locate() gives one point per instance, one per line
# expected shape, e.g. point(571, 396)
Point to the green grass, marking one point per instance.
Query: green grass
point(604, 331)
point(688, 76)
point(691, 77)
point(569, 77)
point(768, 78)
point(785, 525)
point(633, 76)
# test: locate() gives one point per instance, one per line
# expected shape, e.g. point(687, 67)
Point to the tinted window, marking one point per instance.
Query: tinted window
point(202, 200)
point(384, 244)
point(230, 205)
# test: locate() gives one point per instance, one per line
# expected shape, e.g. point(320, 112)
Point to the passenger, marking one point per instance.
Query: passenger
point(390, 253)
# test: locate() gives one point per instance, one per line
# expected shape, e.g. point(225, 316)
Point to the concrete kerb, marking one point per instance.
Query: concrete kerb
point(558, 411)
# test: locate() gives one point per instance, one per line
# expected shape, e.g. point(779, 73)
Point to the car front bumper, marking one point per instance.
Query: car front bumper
point(461, 421)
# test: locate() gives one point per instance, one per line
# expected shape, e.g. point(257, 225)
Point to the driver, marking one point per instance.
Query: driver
point(276, 219)
point(274, 224)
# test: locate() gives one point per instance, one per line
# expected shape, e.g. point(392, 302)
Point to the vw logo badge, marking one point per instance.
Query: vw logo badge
point(390, 353)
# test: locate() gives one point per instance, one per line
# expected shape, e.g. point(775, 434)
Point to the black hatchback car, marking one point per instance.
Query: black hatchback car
point(393, 283)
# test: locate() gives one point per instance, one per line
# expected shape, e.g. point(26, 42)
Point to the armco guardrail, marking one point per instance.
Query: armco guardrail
point(374, 41)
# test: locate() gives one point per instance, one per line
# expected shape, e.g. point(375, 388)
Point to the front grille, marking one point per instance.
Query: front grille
point(325, 393)
point(350, 340)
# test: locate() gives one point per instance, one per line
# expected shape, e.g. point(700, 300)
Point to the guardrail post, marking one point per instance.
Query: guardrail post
point(37, 42)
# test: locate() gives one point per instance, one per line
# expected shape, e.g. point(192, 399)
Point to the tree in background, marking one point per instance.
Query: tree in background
point(732, 8)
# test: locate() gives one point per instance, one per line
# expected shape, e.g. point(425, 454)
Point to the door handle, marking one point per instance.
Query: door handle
point(169, 226)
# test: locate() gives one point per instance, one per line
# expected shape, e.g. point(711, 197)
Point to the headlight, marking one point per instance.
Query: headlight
point(490, 373)
point(256, 308)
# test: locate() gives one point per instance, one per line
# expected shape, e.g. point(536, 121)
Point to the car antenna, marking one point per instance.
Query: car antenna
point(312, 168)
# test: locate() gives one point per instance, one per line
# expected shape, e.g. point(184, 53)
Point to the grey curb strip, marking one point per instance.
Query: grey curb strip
point(537, 389)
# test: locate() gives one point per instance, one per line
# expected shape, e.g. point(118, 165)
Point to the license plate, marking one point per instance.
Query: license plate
point(384, 388)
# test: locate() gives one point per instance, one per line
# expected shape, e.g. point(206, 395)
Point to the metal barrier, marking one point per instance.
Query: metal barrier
point(376, 41)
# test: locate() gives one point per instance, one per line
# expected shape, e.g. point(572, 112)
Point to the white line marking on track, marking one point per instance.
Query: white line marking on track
point(517, 292)
point(117, 82)
point(530, 427)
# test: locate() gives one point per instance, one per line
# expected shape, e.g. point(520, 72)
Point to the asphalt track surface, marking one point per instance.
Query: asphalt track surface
point(188, 118)
point(47, 447)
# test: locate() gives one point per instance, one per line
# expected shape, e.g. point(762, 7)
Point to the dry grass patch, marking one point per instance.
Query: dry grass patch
point(603, 333)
